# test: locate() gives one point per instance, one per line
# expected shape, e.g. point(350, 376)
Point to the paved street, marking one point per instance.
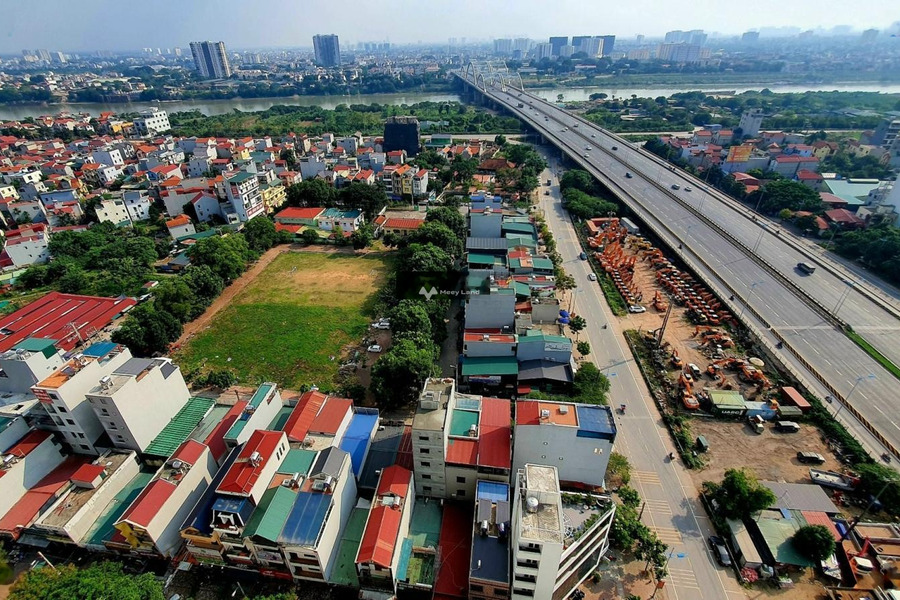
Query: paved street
point(812, 344)
point(672, 508)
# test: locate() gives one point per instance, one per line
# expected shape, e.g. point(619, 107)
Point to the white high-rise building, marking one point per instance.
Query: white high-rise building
point(751, 121)
point(211, 60)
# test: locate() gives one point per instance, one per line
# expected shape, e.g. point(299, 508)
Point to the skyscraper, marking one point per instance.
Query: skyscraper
point(609, 42)
point(556, 43)
point(328, 50)
point(211, 60)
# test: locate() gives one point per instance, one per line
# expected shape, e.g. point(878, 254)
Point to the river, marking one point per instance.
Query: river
point(217, 107)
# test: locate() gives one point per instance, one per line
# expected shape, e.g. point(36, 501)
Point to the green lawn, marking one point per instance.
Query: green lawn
point(286, 325)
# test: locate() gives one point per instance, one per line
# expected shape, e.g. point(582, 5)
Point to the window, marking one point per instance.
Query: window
point(426, 488)
point(425, 463)
point(476, 588)
point(521, 592)
point(426, 476)
point(460, 480)
point(120, 437)
point(461, 493)
point(84, 446)
point(102, 400)
point(81, 436)
point(423, 438)
point(58, 421)
point(424, 451)
point(70, 421)
point(61, 409)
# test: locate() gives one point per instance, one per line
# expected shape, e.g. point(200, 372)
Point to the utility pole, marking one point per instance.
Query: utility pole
point(665, 322)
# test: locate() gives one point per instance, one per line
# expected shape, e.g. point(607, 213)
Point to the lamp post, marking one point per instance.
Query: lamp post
point(752, 287)
point(853, 389)
point(843, 297)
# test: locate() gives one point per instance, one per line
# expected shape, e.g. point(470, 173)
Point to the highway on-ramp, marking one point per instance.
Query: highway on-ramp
point(769, 295)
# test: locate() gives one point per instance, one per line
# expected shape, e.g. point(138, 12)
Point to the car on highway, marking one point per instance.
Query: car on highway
point(375, 348)
point(675, 186)
point(587, 148)
point(583, 256)
point(593, 135)
point(636, 309)
point(615, 147)
point(687, 189)
point(813, 458)
point(592, 276)
point(719, 550)
point(806, 268)
point(586, 155)
point(574, 124)
point(627, 175)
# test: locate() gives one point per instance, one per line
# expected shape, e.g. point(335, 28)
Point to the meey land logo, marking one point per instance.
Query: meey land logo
point(428, 293)
point(416, 286)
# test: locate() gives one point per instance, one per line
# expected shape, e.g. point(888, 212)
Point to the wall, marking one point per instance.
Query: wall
point(579, 461)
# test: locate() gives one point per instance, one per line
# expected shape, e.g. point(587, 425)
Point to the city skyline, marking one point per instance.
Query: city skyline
point(246, 26)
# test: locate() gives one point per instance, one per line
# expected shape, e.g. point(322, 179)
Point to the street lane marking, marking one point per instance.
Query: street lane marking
point(668, 535)
point(683, 578)
point(658, 506)
point(647, 477)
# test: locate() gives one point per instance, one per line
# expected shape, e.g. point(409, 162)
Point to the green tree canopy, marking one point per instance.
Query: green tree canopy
point(590, 385)
point(260, 233)
point(101, 580)
point(451, 217)
point(368, 198)
point(439, 235)
point(226, 256)
point(205, 284)
point(424, 258)
point(398, 375)
point(740, 494)
point(148, 330)
point(410, 316)
point(176, 297)
point(314, 192)
point(783, 193)
point(815, 542)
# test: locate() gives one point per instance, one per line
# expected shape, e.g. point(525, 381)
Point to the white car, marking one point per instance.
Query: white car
point(636, 308)
point(593, 136)
point(588, 148)
point(381, 325)
point(687, 189)
point(374, 348)
point(592, 276)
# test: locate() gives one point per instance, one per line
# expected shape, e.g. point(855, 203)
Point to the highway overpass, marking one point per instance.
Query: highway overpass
point(745, 256)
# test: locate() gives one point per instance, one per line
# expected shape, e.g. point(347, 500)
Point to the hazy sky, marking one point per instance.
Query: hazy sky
point(73, 25)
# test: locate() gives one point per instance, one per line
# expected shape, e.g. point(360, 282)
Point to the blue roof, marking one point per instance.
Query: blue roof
point(383, 453)
point(492, 553)
point(490, 490)
point(229, 504)
point(595, 422)
point(99, 350)
point(201, 516)
point(357, 438)
point(305, 521)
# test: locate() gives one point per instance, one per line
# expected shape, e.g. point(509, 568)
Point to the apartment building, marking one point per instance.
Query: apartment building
point(137, 400)
point(63, 395)
point(429, 436)
point(489, 565)
point(577, 439)
point(259, 412)
point(555, 544)
point(152, 121)
point(211, 60)
point(25, 464)
point(151, 524)
point(242, 191)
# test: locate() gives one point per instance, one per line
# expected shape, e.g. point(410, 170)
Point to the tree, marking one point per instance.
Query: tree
point(310, 236)
point(100, 580)
point(629, 496)
point(314, 192)
point(75, 281)
point(260, 233)
point(424, 258)
point(34, 276)
point(176, 298)
point(450, 217)
point(618, 467)
point(148, 330)
point(205, 285)
point(410, 315)
point(577, 325)
point(784, 193)
point(590, 386)
point(226, 256)
point(438, 234)
point(362, 237)
point(398, 375)
point(785, 214)
point(464, 168)
point(368, 198)
point(500, 140)
point(740, 494)
point(815, 542)
point(584, 348)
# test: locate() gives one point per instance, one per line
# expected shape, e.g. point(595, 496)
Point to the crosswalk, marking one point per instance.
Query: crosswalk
point(646, 477)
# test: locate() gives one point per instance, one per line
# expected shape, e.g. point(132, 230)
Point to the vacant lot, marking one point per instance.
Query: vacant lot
point(292, 323)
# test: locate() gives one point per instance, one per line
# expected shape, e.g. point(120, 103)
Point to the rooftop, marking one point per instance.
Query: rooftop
point(245, 471)
point(462, 421)
point(103, 529)
point(304, 413)
point(383, 526)
point(543, 521)
point(70, 503)
point(270, 514)
point(358, 436)
point(490, 365)
point(180, 427)
point(455, 547)
point(344, 572)
point(332, 414)
point(490, 549)
point(384, 452)
point(261, 394)
point(199, 521)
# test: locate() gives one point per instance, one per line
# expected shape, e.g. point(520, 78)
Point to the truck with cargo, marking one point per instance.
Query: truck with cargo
point(629, 226)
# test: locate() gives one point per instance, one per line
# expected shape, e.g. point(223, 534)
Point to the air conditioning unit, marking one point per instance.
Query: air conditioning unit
point(545, 414)
point(105, 382)
point(255, 459)
point(473, 430)
point(564, 410)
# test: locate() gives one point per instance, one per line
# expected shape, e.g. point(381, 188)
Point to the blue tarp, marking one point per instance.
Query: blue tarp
point(306, 518)
point(564, 314)
point(357, 437)
point(493, 491)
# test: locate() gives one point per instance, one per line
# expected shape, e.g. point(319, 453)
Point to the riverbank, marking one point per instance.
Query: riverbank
point(571, 94)
point(725, 81)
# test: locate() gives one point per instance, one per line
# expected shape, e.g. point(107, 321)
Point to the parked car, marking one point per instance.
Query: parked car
point(695, 370)
point(615, 147)
point(787, 426)
point(583, 256)
point(546, 192)
point(813, 458)
point(593, 136)
point(636, 309)
point(383, 324)
point(374, 348)
point(592, 276)
point(717, 545)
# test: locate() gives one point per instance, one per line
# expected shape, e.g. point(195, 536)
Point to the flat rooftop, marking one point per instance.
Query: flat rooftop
point(461, 421)
point(543, 523)
point(433, 419)
point(103, 528)
point(77, 497)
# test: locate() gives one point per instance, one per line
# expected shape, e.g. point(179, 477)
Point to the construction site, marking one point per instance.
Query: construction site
point(703, 363)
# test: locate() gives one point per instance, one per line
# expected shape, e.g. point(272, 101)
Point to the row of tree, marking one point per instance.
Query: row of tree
point(581, 194)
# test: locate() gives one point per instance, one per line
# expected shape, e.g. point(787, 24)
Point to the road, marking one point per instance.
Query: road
point(728, 250)
point(672, 507)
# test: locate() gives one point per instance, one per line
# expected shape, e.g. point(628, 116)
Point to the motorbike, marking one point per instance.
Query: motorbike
point(622, 409)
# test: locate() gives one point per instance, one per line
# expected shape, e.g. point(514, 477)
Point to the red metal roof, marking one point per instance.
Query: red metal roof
point(26, 510)
point(528, 412)
point(495, 337)
point(190, 452)
point(462, 451)
point(383, 526)
point(178, 221)
point(243, 474)
point(215, 440)
point(820, 518)
point(454, 548)
point(52, 316)
point(302, 416)
point(299, 213)
point(494, 444)
point(87, 473)
point(403, 223)
point(404, 451)
point(842, 215)
point(148, 503)
point(331, 416)
point(29, 442)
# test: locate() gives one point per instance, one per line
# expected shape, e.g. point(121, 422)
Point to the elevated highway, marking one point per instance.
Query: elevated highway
point(748, 257)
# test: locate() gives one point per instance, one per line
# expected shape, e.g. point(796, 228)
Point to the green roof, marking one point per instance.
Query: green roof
point(490, 365)
point(255, 401)
point(542, 263)
point(532, 335)
point(521, 228)
point(103, 527)
point(461, 421)
point(180, 427)
point(241, 177)
point(297, 460)
point(425, 524)
point(520, 240)
point(726, 398)
point(344, 572)
point(199, 235)
point(43, 345)
point(280, 419)
point(777, 533)
point(522, 289)
point(485, 259)
point(271, 513)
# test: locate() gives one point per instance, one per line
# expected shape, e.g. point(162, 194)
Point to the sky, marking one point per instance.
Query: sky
point(72, 26)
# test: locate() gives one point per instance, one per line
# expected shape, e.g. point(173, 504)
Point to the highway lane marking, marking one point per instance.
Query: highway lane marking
point(683, 577)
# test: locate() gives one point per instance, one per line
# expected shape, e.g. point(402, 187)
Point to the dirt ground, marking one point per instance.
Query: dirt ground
point(620, 580)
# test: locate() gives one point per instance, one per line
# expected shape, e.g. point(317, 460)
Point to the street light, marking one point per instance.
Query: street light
point(843, 297)
point(752, 287)
point(853, 389)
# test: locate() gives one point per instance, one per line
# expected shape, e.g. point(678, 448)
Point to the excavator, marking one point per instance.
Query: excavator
point(705, 330)
point(686, 383)
point(754, 375)
point(676, 360)
point(719, 339)
point(658, 302)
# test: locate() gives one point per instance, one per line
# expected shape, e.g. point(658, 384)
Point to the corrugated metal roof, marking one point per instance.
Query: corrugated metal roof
point(329, 462)
point(297, 460)
point(270, 515)
point(103, 528)
point(304, 413)
point(357, 438)
point(179, 427)
point(344, 572)
point(303, 523)
point(485, 243)
point(800, 496)
point(490, 365)
point(331, 416)
point(494, 442)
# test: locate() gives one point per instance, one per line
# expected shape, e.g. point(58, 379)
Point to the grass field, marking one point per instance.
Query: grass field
point(288, 323)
